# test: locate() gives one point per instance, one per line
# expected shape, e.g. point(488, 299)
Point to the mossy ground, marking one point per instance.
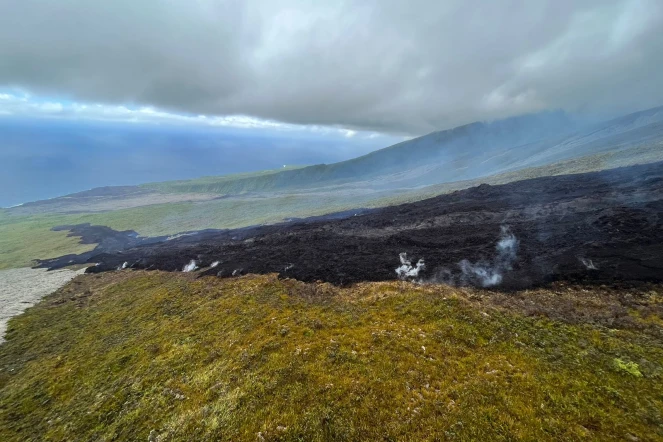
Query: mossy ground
point(119, 356)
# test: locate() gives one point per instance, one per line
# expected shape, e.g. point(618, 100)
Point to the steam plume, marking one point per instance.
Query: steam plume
point(484, 273)
point(491, 274)
point(406, 270)
point(588, 263)
point(190, 267)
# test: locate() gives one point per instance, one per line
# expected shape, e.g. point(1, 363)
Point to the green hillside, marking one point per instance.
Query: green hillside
point(224, 184)
point(154, 356)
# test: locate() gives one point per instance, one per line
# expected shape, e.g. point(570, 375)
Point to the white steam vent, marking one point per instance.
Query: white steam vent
point(588, 263)
point(214, 264)
point(123, 266)
point(190, 267)
point(406, 270)
point(484, 273)
point(490, 274)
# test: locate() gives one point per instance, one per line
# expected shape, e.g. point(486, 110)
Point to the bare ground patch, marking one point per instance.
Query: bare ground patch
point(24, 287)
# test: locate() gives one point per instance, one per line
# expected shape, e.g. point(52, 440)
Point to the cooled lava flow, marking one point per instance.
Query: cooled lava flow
point(603, 226)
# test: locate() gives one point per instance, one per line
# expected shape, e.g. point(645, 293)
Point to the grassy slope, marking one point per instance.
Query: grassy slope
point(219, 184)
point(646, 153)
point(25, 239)
point(115, 356)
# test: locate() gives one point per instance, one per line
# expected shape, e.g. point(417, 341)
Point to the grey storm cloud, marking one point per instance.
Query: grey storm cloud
point(392, 66)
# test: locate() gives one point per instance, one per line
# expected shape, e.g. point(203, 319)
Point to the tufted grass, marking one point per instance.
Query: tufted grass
point(123, 355)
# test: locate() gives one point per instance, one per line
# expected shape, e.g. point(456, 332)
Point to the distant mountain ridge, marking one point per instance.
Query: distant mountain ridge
point(467, 153)
point(462, 153)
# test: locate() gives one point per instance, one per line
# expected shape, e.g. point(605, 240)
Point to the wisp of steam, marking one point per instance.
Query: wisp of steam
point(190, 267)
point(490, 274)
point(588, 263)
point(406, 270)
point(484, 273)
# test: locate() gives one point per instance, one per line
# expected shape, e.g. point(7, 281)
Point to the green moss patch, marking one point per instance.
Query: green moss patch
point(132, 355)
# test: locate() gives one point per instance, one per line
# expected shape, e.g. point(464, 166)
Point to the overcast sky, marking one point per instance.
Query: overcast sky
point(402, 67)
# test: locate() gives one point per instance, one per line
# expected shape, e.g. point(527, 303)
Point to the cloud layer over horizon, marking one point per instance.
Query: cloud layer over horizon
point(384, 66)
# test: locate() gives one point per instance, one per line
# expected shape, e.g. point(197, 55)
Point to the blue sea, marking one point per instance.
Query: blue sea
point(42, 159)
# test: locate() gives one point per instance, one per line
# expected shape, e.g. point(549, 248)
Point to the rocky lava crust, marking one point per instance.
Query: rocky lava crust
point(598, 227)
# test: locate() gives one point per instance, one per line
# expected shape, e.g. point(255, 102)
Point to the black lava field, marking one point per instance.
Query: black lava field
point(601, 227)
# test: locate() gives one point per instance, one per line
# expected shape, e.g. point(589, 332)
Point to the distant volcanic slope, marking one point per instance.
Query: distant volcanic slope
point(603, 226)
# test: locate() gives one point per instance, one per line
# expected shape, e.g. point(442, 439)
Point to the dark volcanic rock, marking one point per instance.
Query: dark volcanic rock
point(603, 226)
